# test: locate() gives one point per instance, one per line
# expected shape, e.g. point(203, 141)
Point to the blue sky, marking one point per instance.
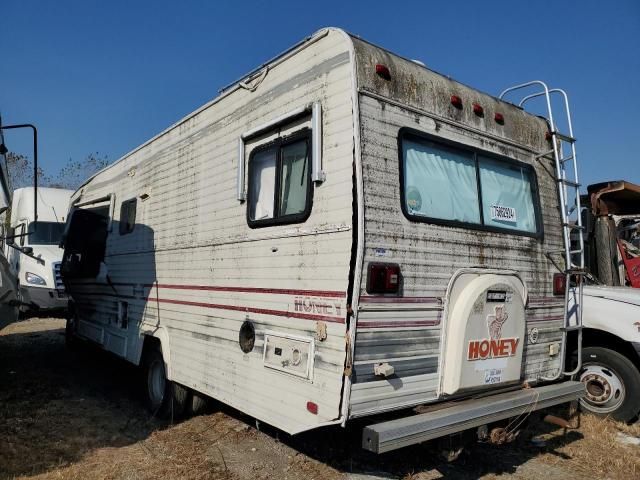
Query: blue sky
point(104, 76)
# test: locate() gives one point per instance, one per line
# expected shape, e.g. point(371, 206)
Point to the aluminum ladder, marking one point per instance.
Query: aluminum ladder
point(568, 188)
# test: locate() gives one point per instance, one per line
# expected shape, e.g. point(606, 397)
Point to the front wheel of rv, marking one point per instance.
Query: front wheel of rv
point(165, 399)
point(612, 384)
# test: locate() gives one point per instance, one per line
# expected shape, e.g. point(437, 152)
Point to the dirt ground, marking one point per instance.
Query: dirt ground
point(79, 415)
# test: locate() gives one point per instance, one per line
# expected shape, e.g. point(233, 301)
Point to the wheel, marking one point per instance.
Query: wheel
point(70, 340)
point(165, 399)
point(197, 404)
point(612, 383)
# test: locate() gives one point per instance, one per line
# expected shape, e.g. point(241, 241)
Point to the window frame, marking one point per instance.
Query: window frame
point(126, 203)
point(279, 143)
point(406, 132)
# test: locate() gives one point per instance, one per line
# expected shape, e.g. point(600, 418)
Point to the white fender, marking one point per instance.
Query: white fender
point(161, 334)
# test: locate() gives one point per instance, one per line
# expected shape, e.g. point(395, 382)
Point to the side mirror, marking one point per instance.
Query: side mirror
point(27, 250)
point(10, 234)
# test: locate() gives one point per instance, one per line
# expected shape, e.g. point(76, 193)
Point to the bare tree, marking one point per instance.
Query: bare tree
point(71, 175)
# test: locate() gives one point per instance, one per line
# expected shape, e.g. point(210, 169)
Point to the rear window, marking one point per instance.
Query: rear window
point(446, 184)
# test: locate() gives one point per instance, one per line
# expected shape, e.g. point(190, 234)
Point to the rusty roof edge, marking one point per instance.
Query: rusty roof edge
point(422, 65)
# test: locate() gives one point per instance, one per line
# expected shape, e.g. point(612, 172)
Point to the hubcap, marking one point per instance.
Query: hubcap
point(604, 389)
point(156, 382)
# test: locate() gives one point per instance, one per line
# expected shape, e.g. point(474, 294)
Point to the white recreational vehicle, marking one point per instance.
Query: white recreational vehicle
point(39, 272)
point(341, 233)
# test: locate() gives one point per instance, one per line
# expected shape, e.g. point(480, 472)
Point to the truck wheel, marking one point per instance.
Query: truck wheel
point(165, 399)
point(70, 340)
point(198, 403)
point(612, 383)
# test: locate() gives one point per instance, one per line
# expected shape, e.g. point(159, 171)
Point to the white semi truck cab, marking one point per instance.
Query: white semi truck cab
point(39, 272)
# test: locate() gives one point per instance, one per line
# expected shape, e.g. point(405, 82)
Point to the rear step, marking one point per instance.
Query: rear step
point(394, 434)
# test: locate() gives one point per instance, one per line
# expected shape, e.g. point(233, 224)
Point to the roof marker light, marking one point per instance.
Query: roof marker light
point(456, 101)
point(478, 110)
point(499, 118)
point(383, 71)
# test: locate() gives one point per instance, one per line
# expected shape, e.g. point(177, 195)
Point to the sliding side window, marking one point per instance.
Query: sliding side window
point(280, 182)
point(127, 216)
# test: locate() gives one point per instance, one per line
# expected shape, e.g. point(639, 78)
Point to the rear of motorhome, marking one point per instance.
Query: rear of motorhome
point(38, 273)
point(341, 233)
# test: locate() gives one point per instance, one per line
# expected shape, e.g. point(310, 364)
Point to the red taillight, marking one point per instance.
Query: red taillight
point(383, 71)
point(383, 278)
point(478, 110)
point(559, 283)
point(499, 118)
point(312, 407)
point(456, 101)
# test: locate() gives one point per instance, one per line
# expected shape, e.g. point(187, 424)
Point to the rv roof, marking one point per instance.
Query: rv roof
point(242, 81)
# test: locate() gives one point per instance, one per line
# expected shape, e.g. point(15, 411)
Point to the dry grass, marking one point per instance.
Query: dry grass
point(599, 454)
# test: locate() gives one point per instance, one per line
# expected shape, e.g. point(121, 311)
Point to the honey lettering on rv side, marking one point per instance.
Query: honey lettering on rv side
point(317, 306)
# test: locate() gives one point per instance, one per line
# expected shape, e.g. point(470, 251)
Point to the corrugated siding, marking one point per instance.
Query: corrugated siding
point(430, 254)
point(197, 270)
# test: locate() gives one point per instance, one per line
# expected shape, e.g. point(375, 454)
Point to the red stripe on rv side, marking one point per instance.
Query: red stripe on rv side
point(264, 311)
point(546, 319)
point(545, 299)
point(417, 323)
point(400, 299)
point(276, 291)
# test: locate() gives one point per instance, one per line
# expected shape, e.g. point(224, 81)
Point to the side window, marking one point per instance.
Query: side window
point(280, 182)
point(127, 216)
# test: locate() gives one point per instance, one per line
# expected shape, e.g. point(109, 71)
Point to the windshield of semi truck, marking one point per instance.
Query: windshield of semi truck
point(445, 184)
point(45, 233)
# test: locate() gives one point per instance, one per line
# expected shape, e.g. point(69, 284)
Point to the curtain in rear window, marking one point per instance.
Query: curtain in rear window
point(440, 183)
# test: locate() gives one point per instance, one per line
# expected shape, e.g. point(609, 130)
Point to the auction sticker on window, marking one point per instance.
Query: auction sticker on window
point(503, 214)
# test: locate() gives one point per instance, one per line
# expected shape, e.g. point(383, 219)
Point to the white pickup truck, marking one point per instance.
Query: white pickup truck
point(611, 307)
point(611, 351)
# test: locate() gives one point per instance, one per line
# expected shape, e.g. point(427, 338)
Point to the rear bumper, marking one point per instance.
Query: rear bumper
point(44, 298)
point(394, 434)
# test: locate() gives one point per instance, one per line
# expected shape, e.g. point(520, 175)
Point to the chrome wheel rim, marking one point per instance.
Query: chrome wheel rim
point(605, 390)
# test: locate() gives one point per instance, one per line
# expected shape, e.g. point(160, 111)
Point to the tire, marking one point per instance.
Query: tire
point(197, 403)
point(612, 382)
point(70, 340)
point(165, 399)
